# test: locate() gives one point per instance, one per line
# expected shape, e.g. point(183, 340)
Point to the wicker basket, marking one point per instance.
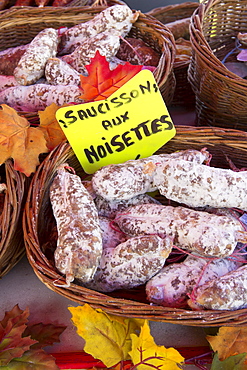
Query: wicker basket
point(12, 246)
point(38, 221)
point(20, 25)
point(174, 12)
point(221, 96)
point(183, 94)
point(76, 3)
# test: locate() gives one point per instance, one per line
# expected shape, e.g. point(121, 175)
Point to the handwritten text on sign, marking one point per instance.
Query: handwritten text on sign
point(132, 123)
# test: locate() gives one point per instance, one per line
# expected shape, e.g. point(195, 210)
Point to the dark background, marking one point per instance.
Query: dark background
point(147, 5)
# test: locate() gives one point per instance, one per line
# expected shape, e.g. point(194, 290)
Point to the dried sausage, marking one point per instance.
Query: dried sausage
point(31, 66)
point(37, 97)
point(196, 231)
point(58, 72)
point(228, 292)
point(134, 177)
point(172, 286)
point(131, 263)
point(107, 43)
point(116, 17)
point(79, 244)
point(197, 185)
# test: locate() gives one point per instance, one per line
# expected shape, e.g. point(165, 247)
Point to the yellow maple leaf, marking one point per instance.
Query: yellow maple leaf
point(107, 337)
point(145, 353)
point(229, 341)
point(50, 127)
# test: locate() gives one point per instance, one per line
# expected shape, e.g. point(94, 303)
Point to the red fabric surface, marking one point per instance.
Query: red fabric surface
point(82, 360)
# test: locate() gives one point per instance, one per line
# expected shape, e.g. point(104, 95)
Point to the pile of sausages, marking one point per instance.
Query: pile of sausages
point(112, 234)
point(5, 4)
point(47, 70)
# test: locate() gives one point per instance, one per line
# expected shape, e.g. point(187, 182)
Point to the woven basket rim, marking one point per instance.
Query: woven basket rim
point(202, 47)
point(171, 7)
point(176, 17)
point(186, 136)
point(12, 246)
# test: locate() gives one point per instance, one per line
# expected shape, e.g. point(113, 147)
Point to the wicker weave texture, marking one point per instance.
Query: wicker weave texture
point(38, 221)
point(167, 15)
point(221, 95)
point(11, 243)
point(174, 12)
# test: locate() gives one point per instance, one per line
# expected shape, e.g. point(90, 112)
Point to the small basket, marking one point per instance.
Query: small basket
point(12, 246)
point(183, 94)
point(19, 25)
point(38, 221)
point(174, 12)
point(221, 95)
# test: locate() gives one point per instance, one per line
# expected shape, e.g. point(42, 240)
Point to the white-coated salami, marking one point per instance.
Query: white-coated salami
point(37, 97)
point(228, 292)
point(58, 72)
point(118, 17)
point(197, 185)
point(79, 244)
point(131, 263)
point(172, 286)
point(134, 177)
point(111, 208)
point(31, 66)
point(106, 43)
point(196, 231)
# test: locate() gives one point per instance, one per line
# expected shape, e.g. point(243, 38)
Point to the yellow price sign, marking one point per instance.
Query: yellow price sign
point(132, 123)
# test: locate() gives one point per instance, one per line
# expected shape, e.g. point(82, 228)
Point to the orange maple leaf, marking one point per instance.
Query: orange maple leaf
point(19, 141)
point(50, 127)
point(229, 341)
point(102, 82)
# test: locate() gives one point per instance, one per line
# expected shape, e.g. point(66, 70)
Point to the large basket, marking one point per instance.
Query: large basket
point(20, 25)
point(12, 246)
point(38, 223)
point(221, 95)
point(167, 15)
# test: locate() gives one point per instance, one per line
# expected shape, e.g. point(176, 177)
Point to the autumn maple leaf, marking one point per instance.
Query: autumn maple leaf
point(229, 341)
point(12, 344)
point(146, 354)
point(21, 344)
point(44, 334)
point(50, 127)
point(101, 82)
point(107, 337)
point(114, 339)
point(19, 141)
point(236, 362)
